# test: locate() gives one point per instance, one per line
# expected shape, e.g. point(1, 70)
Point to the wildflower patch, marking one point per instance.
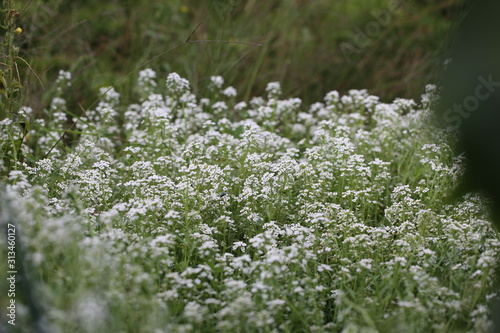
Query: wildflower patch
point(185, 213)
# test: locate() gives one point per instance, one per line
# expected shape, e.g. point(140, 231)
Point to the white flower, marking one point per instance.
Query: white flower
point(176, 84)
point(273, 89)
point(229, 92)
point(217, 81)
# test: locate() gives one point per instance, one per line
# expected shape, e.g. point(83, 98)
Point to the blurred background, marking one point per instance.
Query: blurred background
point(392, 48)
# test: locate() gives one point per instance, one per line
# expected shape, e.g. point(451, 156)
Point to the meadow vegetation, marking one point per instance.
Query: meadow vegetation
point(100, 42)
point(185, 213)
point(175, 205)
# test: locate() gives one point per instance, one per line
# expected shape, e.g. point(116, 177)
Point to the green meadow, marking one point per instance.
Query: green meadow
point(160, 172)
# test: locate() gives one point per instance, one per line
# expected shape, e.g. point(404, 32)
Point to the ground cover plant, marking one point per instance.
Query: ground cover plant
point(203, 213)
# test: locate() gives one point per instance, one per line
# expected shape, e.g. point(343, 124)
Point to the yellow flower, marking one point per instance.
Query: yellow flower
point(18, 31)
point(184, 9)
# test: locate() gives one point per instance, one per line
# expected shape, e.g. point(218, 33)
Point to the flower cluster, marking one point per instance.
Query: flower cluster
point(188, 214)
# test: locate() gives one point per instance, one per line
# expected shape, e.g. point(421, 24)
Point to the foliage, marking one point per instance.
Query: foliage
point(102, 41)
point(189, 213)
point(11, 89)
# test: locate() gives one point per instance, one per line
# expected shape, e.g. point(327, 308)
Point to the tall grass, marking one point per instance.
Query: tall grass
point(101, 41)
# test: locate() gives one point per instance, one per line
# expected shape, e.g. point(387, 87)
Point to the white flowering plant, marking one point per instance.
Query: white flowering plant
point(183, 213)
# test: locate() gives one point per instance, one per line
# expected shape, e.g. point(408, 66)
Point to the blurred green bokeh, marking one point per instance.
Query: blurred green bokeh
point(470, 100)
point(393, 47)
